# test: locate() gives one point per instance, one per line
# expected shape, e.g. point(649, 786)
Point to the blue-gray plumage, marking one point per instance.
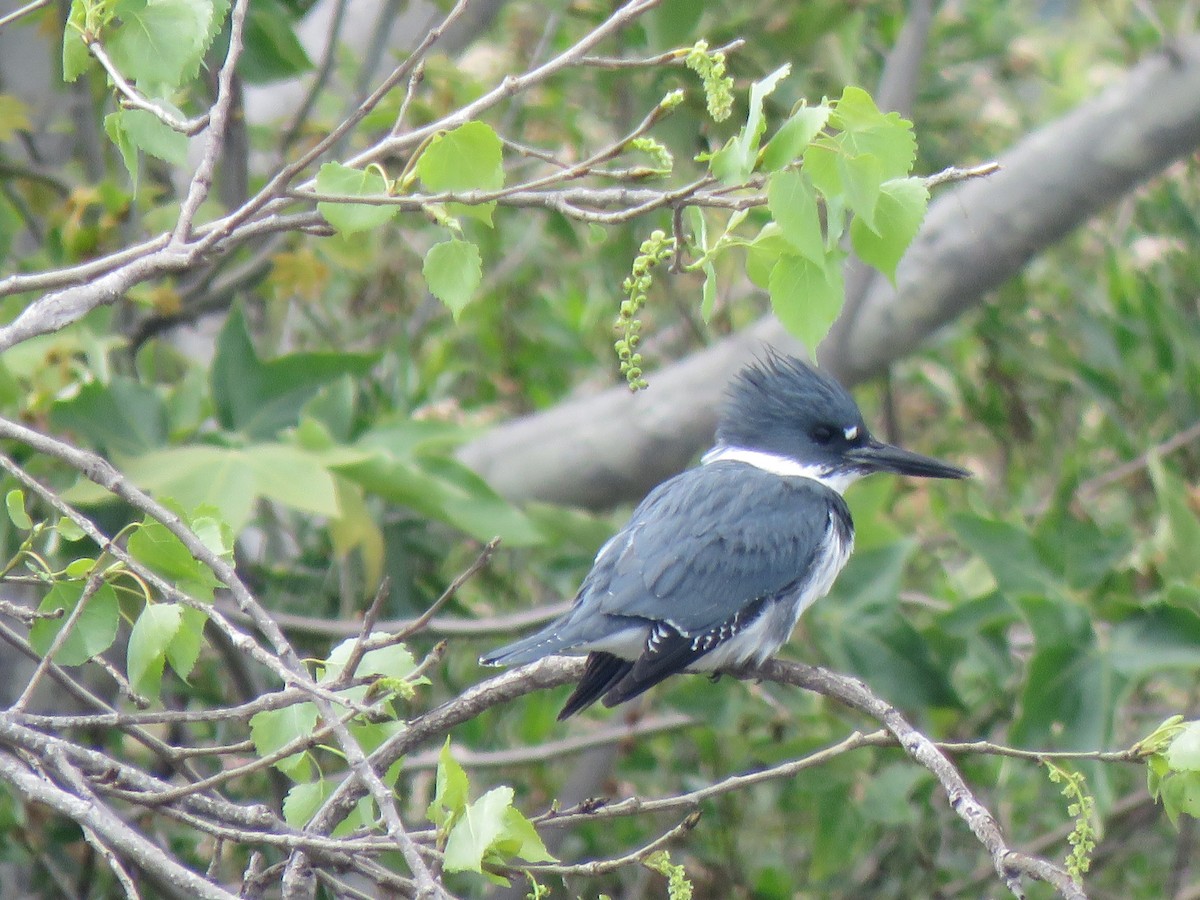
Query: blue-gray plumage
point(716, 565)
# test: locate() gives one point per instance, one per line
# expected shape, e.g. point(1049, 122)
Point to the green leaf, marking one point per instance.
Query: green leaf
point(481, 824)
point(1156, 640)
point(735, 162)
point(708, 293)
point(1056, 621)
point(184, 648)
point(886, 651)
point(443, 489)
point(161, 42)
point(821, 167)
point(862, 179)
point(75, 52)
point(80, 568)
point(1008, 551)
point(842, 829)
point(468, 158)
point(453, 270)
point(1178, 534)
point(357, 529)
point(94, 632)
point(68, 530)
point(333, 407)
point(1084, 553)
point(14, 502)
point(304, 799)
point(151, 135)
point(767, 248)
point(214, 533)
point(373, 735)
point(1068, 698)
point(229, 480)
point(351, 218)
point(395, 661)
point(793, 202)
point(153, 545)
point(1181, 793)
point(520, 838)
point(272, 50)
point(191, 476)
point(886, 138)
point(272, 729)
point(699, 227)
point(293, 477)
point(863, 631)
point(152, 633)
point(898, 216)
point(887, 799)
point(261, 397)
point(124, 143)
point(1184, 753)
point(450, 794)
point(789, 142)
point(124, 417)
point(807, 297)
point(869, 583)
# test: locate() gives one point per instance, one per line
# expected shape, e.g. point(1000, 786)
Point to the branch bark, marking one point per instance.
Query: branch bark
point(600, 450)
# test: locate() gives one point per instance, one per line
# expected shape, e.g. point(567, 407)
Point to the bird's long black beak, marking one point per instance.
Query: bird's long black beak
point(876, 456)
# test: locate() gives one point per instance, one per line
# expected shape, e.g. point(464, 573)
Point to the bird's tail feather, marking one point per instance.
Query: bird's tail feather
point(603, 670)
point(543, 643)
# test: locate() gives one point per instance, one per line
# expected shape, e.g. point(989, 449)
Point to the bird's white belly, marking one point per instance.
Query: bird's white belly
point(765, 635)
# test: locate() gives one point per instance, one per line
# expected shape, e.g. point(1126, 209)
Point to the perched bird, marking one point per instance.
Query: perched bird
point(716, 564)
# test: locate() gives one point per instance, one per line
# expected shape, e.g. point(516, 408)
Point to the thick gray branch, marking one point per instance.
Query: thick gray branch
point(985, 231)
point(600, 450)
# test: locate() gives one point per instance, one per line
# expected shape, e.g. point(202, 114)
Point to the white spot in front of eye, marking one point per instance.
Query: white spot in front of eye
point(851, 432)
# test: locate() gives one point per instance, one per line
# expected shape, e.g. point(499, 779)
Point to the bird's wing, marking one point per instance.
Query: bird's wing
point(710, 542)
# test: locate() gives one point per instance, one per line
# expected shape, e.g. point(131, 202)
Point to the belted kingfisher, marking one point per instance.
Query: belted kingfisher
point(717, 563)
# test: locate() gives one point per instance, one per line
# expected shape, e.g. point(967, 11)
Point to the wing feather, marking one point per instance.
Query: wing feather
point(711, 541)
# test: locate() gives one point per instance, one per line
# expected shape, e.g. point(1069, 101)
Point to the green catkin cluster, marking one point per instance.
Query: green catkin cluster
point(654, 250)
point(1081, 807)
point(718, 86)
point(678, 885)
point(664, 162)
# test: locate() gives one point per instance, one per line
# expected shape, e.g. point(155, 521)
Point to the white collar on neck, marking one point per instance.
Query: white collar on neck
point(783, 466)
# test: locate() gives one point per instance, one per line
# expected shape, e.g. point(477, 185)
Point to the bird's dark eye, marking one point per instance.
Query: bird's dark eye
point(823, 434)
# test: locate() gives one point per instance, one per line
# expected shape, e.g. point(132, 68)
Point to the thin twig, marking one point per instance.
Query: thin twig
point(414, 81)
point(553, 750)
point(954, 173)
point(364, 632)
point(201, 181)
point(462, 578)
point(23, 11)
point(134, 99)
point(601, 866)
point(1089, 489)
point(671, 57)
point(24, 613)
